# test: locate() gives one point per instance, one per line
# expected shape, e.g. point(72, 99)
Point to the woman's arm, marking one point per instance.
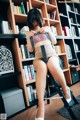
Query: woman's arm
point(53, 39)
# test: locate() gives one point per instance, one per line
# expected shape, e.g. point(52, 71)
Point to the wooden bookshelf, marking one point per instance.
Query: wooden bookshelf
point(62, 18)
point(71, 10)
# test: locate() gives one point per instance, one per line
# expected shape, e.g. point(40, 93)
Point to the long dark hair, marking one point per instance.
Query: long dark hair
point(34, 14)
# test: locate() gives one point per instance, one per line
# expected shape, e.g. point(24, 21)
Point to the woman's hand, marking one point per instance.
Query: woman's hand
point(42, 30)
point(30, 33)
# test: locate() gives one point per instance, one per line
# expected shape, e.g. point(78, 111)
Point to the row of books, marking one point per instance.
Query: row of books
point(6, 29)
point(25, 52)
point(66, 31)
point(29, 72)
point(31, 93)
point(23, 8)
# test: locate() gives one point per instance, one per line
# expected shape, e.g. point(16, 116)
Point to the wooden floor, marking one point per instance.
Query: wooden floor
point(51, 109)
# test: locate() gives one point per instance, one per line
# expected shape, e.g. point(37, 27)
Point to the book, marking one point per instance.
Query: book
point(68, 52)
point(23, 51)
point(22, 8)
point(6, 28)
point(29, 72)
point(57, 49)
point(26, 5)
point(32, 71)
point(66, 30)
point(73, 30)
point(68, 7)
point(61, 62)
point(29, 93)
point(27, 52)
point(53, 15)
point(76, 46)
point(79, 31)
point(54, 30)
point(26, 73)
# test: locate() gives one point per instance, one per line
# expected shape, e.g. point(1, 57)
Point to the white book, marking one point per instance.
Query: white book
point(17, 29)
point(79, 31)
point(5, 27)
point(53, 29)
point(23, 51)
point(26, 73)
point(68, 7)
point(29, 93)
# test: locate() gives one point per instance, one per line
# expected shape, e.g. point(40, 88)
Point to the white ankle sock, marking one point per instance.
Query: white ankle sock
point(68, 100)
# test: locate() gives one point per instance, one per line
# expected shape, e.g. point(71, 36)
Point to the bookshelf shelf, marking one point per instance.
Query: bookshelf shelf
point(19, 18)
point(77, 51)
point(10, 75)
point(12, 36)
point(30, 81)
point(65, 70)
point(72, 12)
point(63, 37)
point(36, 3)
point(50, 7)
point(28, 59)
point(53, 22)
point(73, 24)
point(72, 60)
point(63, 16)
point(62, 54)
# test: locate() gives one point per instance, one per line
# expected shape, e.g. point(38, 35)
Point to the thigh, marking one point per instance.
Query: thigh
point(40, 66)
point(53, 64)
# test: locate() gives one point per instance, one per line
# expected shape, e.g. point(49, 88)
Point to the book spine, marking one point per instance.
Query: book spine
point(23, 51)
point(22, 8)
point(26, 73)
point(32, 71)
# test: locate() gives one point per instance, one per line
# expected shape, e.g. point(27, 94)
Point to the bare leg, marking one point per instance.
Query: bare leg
point(57, 73)
point(41, 71)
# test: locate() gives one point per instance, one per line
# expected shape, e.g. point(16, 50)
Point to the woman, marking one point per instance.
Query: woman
point(35, 24)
